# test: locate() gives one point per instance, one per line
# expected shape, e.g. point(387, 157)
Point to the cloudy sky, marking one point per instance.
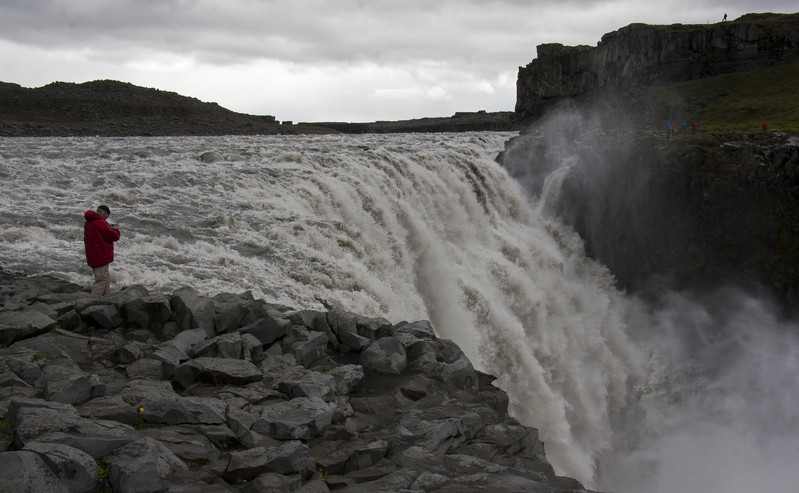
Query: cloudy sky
point(321, 60)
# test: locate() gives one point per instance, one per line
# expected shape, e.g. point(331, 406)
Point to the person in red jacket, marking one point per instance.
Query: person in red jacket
point(99, 239)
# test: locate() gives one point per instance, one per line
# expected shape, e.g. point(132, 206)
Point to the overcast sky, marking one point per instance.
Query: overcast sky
point(321, 60)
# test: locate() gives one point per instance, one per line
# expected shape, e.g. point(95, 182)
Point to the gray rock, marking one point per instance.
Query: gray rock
point(342, 322)
point(267, 329)
point(27, 472)
point(385, 355)
point(314, 320)
point(70, 320)
point(22, 367)
point(134, 351)
point(218, 371)
point(229, 315)
point(113, 408)
point(223, 346)
point(20, 325)
point(185, 442)
point(422, 329)
point(192, 311)
point(300, 382)
point(444, 360)
point(287, 458)
point(298, 419)
point(37, 420)
point(382, 479)
point(146, 368)
point(102, 316)
point(347, 378)
point(142, 466)
point(272, 482)
point(66, 384)
point(306, 346)
point(75, 468)
point(184, 410)
point(10, 379)
point(252, 348)
point(171, 356)
point(186, 340)
point(148, 312)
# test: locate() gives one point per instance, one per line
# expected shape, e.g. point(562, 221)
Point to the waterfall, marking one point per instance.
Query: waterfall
point(406, 227)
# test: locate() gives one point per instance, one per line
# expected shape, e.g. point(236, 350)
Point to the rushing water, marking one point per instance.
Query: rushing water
point(406, 227)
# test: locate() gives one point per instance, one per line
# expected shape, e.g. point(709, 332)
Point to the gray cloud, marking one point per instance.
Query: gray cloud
point(449, 44)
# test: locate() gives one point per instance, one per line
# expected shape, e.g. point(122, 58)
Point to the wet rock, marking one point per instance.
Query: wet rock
point(27, 471)
point(217, 371)
point(21, 325)
point(276, 400)
point(287, 458)
point(142, 466)
point(300, 418)
point(385, 355)
point(76, 469)
point(192, 311)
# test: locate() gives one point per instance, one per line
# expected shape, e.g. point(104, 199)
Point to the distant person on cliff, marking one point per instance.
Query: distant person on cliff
point(99, 238)
point(725, 18)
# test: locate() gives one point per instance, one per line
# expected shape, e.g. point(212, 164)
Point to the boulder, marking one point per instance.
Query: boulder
point(21, 325)
point(385, 355)
point(287, 458)
point(183, 410)
point(306, 383)
point(267, 329)
point(102, 316)
point(148, 312)
point(223, 346)
point(76, 469)
point(305, 345)
point(192, 311)
point(347, 378)
point(298, 419)
point(142, 466)
point(185, 442)
point(66, 384)
point(217, 371)
point(27, 471)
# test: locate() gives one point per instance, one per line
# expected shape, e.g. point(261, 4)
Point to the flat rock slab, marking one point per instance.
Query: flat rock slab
point(217, 371)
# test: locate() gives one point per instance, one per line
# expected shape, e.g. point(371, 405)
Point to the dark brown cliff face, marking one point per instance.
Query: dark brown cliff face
point(641, 55)
point(694, 212)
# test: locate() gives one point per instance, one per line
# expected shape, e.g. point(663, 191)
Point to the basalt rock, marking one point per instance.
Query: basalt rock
point(247, 397)
point(641, 55)
point(695, 212)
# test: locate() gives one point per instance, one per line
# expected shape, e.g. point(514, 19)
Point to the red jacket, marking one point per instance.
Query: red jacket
point(99, 239)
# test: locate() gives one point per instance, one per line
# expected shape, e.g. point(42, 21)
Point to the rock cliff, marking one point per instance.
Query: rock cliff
point(641, 55)
point(692, 211)
point(144, 392)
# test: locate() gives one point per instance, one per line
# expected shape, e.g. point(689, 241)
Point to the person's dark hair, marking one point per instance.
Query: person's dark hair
point(104, 208)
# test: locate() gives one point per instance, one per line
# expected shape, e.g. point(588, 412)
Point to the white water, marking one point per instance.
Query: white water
point(402, 226)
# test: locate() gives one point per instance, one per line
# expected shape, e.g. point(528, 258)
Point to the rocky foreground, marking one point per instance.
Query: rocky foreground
point(144, 392)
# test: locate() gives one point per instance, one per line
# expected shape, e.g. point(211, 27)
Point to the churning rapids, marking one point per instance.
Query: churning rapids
point(695, 393)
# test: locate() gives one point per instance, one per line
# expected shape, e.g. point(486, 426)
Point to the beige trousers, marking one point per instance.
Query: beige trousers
point(102, 281)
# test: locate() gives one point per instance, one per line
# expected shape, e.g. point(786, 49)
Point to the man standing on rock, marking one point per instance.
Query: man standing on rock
point(99, 239)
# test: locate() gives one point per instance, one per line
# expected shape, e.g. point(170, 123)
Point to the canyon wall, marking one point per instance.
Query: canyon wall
point(640, 55)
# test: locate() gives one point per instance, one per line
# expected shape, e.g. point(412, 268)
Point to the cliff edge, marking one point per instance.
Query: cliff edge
point(639, 56)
